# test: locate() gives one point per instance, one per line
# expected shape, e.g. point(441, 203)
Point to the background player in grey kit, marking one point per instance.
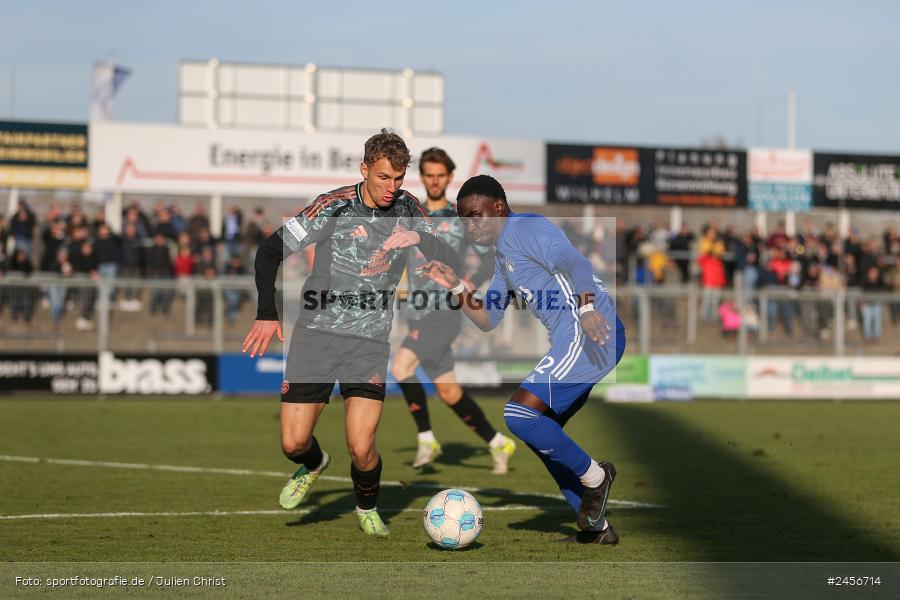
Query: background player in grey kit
point(433, 326)
point(362, 234)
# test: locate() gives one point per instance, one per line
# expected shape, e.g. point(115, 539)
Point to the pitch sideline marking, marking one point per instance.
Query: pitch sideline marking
point(220, 513)
point(223, 471)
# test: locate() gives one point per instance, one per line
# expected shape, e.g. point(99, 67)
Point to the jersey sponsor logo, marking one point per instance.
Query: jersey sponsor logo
point(359, 232)
point(293, 225)
point(378, 264)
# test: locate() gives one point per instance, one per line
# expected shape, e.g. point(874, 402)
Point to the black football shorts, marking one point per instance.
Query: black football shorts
point(317, 359)
point(431, 339)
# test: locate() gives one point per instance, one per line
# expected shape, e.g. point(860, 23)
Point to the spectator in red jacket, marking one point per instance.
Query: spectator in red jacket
point(184, 262)
point(779, 265)
point(712, 278)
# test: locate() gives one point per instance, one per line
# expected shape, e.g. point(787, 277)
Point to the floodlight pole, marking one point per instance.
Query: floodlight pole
point(759, 122)
point(761, 219)
point(792, 118)
point(790, 217)
point(12, 73)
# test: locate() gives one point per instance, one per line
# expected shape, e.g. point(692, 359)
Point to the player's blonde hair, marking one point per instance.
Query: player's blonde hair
point(389, 145)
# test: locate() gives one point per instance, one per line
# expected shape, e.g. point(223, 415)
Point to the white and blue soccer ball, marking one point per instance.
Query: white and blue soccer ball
point(453, 519)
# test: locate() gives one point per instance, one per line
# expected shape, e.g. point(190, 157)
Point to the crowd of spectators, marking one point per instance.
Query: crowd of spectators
point(165, 244)
point(162, 244)
point(724, 257)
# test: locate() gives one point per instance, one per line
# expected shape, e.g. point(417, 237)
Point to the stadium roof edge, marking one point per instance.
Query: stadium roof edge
point(298, 65)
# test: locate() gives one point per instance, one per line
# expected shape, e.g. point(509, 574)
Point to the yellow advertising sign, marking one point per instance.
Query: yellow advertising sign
point(43, 155)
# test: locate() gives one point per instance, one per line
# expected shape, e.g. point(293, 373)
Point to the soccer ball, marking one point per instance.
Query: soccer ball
point(453, 519)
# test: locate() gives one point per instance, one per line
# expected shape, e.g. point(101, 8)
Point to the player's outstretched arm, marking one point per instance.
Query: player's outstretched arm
point(314, 223)
point(266, 325)
point(446, 277)
point(433, 247)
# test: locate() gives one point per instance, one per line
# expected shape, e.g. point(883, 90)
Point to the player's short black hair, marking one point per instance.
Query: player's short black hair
point(437, 155)
point(482, 185)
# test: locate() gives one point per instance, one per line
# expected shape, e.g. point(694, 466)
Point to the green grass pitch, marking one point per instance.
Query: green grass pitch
point(709, 482)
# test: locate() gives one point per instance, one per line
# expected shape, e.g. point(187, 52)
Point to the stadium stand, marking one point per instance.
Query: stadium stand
point(168, 283)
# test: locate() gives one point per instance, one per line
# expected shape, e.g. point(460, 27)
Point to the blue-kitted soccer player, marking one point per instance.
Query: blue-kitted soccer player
point(537, 263)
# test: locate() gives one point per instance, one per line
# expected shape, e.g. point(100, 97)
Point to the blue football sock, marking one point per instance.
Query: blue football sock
point(561, 455)
point(569, 483)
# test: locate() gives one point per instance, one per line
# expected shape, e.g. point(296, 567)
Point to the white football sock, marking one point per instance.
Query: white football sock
point(427, 436)
point(497, 440)
point(600, 527)
point(363, 511)
point(594, 475)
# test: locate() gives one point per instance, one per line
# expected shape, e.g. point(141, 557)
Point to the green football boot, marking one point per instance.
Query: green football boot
point(427, 453)
point(371, 524)
point(501, 455)
point(293, 493)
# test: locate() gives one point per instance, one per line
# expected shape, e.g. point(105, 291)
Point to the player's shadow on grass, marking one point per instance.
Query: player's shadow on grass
point(324, 506)
point(456, 453)
point(331, 505)
point(453, 453)
point(553, 515)
point(724, 501)
point(561, 521)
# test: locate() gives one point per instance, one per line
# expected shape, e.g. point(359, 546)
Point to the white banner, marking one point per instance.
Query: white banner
point(168, 159)
point(790, 377)
point(780, 179)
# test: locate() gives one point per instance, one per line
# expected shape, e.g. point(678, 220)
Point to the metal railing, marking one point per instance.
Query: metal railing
point(72, 314)
point(671, 319)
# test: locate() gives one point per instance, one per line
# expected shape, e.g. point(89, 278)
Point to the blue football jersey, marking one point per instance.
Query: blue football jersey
point(525, 268)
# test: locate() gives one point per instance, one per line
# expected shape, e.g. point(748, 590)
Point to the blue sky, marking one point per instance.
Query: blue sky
point(616, 71)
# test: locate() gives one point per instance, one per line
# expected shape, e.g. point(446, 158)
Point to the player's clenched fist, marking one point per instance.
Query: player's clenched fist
point(257, 341)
